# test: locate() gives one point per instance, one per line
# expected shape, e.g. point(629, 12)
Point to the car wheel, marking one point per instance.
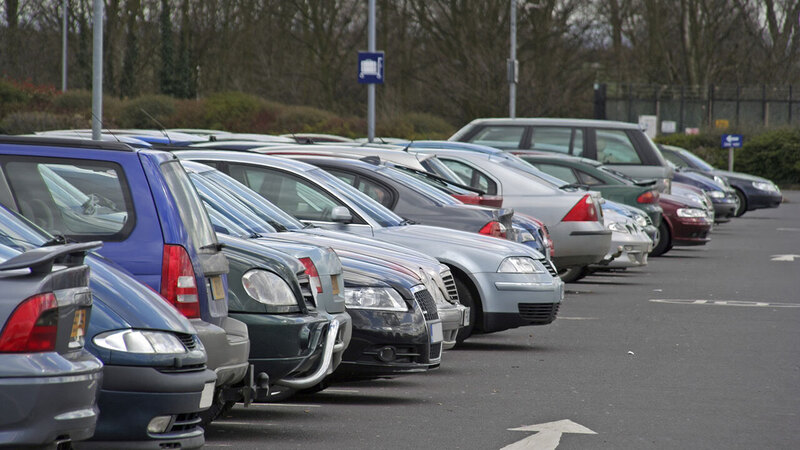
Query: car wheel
point(741, 207)
point(664, 240)
point(573, 274)
point(466, 299)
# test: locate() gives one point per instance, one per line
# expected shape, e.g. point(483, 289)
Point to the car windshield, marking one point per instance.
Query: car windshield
point(18, 233)
point(419, 186)
point(617, 175)
point(435, 165)
point(515, 162)
point(258, 204)
point(373, 209)
point(697, 161)
point(224, 205)
point(436, 181)
point(190, 208)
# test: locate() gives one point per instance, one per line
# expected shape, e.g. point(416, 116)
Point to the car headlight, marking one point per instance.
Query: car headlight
point(640, 220)
point(720, 180)
point(520, 264)
point(691, 212)
point(765, 186)
point(716, 194)
point(618, 227)
point(385, 299)
point(140, 341)
point(268, 288)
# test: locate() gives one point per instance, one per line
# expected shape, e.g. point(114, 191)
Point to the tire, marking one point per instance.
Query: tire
point(465, 298)
point(741, 208)
point(664, 243)
point(213, 411)
point(573, 274)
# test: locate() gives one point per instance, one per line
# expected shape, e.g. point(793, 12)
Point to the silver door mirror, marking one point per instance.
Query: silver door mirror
point(341, 214)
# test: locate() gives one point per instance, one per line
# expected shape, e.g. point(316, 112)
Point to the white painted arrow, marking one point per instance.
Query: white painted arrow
point(729, 138)
point(548, 435)
point(789, 258)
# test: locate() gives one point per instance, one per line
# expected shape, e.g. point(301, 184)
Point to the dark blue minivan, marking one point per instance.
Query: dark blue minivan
point(141, 204)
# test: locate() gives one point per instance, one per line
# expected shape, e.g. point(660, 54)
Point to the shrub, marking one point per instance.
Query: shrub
point(134, 112)
point(231, 111)
point(77, 101)
point(428, 126)
point(774, 155)
point(188, 114)
point(28, 122)
point(301, 119)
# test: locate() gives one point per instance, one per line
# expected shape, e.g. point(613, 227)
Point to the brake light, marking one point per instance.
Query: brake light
point(468, 199)
point(492, 200)
point(311, 271)
point(648, 197)
point(178, 284)
point(495, 229)
point(583, 211)
point(33, 327)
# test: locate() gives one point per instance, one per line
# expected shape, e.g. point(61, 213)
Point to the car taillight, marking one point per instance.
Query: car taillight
point(492, 200)
point(33, 327)
point(494, 228)
point(468, 199)
point(583, 211)
point(311, 271)
point(648, 197)
point(178, 284)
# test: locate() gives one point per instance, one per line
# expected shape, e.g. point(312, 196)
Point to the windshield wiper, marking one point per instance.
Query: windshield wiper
point(407, 222)
point(58, 239)
point(216, 247)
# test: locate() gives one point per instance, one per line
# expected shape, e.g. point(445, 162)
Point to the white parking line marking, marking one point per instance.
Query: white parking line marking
point(788, 229)
point(726, 303)
point(343, 391)
point(576, 318)
point(789, 258)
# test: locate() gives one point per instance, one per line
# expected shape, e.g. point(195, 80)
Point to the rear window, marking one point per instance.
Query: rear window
point(499, 136)
point(81, 200)
point(615, 147)
point(191, 210)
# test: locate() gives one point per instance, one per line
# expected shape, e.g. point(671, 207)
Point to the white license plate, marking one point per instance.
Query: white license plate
point(207, 397)
point(436, 334)
point(465, 319)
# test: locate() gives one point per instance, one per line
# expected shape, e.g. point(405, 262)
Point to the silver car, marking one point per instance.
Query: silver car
point(505, 284)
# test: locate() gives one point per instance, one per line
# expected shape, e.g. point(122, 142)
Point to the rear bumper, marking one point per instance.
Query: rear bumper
point(227, 348)
point(579, 243)
point(38, 409)
point(132, 396)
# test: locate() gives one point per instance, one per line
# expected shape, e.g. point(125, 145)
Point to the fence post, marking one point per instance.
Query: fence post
point(764, 110)
point(790, 104)
point(630, 102)
point(681, 113)
point(711, 105)
point(738, 101)
point(600, 101)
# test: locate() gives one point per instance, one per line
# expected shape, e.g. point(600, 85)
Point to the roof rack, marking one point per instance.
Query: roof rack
point(65, 142)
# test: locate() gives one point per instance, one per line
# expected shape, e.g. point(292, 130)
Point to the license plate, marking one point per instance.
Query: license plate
point(335, 283)
point(207, 397)
point(76, 336)
point(436, 332)
point(465, 320)
point(217, 288)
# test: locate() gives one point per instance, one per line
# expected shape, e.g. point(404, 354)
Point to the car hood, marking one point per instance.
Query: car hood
point(740, 176)
point(123, 302)
point(324, 258)
point(358, 273)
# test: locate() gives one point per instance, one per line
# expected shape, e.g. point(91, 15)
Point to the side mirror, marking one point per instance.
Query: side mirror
point(341, 214)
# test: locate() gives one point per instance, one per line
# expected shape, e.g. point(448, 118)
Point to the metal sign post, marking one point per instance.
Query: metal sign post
point(731, 141)
point(97, 69)
point(512, 64)
point(371, 86)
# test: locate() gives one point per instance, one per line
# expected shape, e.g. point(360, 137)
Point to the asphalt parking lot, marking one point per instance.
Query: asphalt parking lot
point(697, 350)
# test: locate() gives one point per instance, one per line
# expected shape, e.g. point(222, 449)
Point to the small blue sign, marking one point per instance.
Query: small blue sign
point(732, 141)
point(370, 67)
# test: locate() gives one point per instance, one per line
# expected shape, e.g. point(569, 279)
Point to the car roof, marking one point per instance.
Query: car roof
point(453, 145)
point(594, 123)
point(246, 157)
point(547, 156)
point(65, 142)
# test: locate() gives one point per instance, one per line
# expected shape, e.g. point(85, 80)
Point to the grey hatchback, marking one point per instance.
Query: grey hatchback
point(620, 145)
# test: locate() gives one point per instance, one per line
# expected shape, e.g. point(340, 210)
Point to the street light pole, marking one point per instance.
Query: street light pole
point(64, 8)
point(371, 86)
point(513, 68)
point(97, 69)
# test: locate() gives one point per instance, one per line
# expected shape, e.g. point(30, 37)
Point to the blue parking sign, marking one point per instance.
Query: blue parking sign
point(732, 140)
point(370, 67)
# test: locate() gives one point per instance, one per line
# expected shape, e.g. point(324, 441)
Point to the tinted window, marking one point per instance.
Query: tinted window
point(193, 214)
point(552, 139)
point(560, 172)
point(499, 136)
point(471, 176)
point(373, 190)
point(585, 178)
point(615, 147)
point(697, 161)
point(377, 212)
point(83, 201)
point(675, 159)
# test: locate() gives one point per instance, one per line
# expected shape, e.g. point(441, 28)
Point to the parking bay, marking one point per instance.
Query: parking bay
point(692, 351)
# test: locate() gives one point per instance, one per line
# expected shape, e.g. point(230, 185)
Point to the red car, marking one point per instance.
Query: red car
point(685, 223)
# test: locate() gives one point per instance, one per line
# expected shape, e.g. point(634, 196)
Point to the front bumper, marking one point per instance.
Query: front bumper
point(724, 209)
point(131, 396)
point(629, 250)
point(55, 399)
point(687, 231)
point(453, 318)
point(502, 295)
point(757, 199)
point(227, 348)
point(388, 343)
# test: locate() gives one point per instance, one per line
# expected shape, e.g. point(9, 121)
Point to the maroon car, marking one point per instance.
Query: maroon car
point(685, 223)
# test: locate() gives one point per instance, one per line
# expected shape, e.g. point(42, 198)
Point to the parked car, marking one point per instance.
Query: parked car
point(573, 217)
point(49, 381)
point(753, 192)
point(620, 145)
point(142, 205)
point(595, 176)
point(686, 223)
point(723, 200)
point(630, 244)
point(155, 382)
point(505, 284)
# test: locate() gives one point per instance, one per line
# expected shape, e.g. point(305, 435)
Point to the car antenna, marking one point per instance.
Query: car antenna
point(108, 130)
point(405, 149)
point(305, 140)
point(160, 127)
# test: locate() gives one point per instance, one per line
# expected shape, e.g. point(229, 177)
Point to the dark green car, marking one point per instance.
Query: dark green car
point(614, 186)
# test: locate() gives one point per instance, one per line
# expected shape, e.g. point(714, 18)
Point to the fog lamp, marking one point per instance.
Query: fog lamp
point(387, 354)
point(159, 424)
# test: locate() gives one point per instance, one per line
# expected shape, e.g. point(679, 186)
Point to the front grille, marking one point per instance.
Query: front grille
point(450, 285)
point(428, 305)
point(184, 422)
point(538, 313)
point(187, 340)
point(305, 289)
point(183, 369)
point(550, 267)
point(436, 351)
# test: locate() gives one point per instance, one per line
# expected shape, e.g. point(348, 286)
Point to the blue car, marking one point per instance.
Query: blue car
point(155, 381)
point(141, 203)
point(722, 198)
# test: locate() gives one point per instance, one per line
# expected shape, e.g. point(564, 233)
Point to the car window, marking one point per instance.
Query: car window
point(471, 176)
point(697, 161)
point(421, 187)
point(577, 142)
point(615, 147)
point(587, 179)
point(82, 200)
point(674, 159)
point(561, 172)
point(373, 190)
point(193, 214)
point(288, 192)
point(552, 139)
point(499, 136)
